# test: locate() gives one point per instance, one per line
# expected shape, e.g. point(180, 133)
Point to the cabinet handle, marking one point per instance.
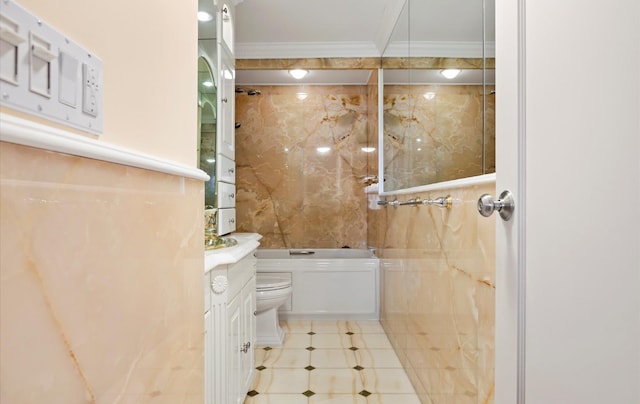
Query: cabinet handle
point(232, 220)
point(232, 196)
point(224, 99)
point(231, 171)
point(245, 347)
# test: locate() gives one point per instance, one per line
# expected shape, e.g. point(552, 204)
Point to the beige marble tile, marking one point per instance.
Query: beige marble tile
point(438, 296)
point(281, 381)
point(370, 341)
point(337, 399)
point(377, 358)
point(329, 327)
point(277, 399)
point(393, 399)
point(296, 341)
point(365, 327)
point(333, 341)
point(386, 381)
point(287, 191)
point(96, 300)
point(296, 327)
point(333, 358)
point(346, 381)
point(286, 358)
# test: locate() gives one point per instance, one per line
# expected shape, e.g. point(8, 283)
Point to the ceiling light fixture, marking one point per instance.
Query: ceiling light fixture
point(204, 16)
point(298, 73)
point(368, 149)
point(323, 149)
point(450, 73)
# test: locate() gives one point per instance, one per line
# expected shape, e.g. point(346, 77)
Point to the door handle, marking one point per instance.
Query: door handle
point(505, 205)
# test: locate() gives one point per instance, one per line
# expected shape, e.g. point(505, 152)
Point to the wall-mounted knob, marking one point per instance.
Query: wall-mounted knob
point(505, 205)
point(224, 99)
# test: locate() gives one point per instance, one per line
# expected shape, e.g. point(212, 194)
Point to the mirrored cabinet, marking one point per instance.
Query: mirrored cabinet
point(216, 110)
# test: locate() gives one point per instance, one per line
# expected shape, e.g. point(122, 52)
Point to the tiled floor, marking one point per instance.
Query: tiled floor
point(331, 362)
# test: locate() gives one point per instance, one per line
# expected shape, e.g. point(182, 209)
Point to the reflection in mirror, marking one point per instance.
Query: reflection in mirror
point(438, 127)
point(207, 128)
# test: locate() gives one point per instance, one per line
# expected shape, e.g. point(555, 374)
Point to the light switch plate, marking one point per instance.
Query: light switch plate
point(47, 80)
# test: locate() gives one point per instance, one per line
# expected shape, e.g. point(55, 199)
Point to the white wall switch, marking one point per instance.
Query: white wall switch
point(40, 71)
point(10, 39)
point(69, 79)
point(90, 89)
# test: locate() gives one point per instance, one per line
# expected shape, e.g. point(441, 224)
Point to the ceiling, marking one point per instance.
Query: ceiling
point(268, 29)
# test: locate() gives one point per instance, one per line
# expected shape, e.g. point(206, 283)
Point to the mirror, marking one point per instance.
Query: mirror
point(207, 128)
point(207, 88)
point(437, 128)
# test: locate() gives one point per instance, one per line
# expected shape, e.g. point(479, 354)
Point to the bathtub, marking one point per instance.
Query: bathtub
point(327, 284)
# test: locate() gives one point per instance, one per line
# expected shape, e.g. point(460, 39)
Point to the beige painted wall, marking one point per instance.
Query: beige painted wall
point(149, 52)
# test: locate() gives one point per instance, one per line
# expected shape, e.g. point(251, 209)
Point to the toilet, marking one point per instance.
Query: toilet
point(272, 291)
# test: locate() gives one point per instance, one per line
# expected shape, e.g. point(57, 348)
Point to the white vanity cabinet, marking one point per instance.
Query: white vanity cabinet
point(230, 330)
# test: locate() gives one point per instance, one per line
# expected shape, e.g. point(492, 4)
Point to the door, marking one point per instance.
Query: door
point(568, 262)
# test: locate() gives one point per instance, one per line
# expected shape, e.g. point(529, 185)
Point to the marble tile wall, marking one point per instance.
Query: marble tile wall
point(434, 134)
point(293, 195)
point(100, 282)
point(438, 294)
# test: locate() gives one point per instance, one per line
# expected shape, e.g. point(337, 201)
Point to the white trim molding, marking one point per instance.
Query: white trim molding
point(28, 133)
point(440, 49)
point(293, 50)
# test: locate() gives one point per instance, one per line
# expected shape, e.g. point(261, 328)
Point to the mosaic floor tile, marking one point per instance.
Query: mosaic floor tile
point(331, 362)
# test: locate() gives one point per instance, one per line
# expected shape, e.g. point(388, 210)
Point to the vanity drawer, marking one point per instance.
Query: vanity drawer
point(226, 169)
point(226, 221)
point(226, 195)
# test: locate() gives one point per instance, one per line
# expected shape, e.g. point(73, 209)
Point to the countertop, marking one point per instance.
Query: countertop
point(247, 242)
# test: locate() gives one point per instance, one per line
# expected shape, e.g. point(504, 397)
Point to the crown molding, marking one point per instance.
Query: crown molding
point(290, 50)
point(392, 12)
point(440, 49)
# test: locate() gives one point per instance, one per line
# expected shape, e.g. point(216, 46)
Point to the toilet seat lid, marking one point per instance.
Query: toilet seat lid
point(268, 281)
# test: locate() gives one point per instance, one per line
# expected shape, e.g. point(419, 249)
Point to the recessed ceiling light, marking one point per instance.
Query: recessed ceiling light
point(298, 73)
point(450, 73)
point(204, 16)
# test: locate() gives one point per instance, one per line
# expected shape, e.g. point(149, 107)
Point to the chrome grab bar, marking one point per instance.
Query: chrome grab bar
point(441, 202)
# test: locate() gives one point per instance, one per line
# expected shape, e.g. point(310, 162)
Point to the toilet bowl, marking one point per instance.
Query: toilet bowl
point(272, 291)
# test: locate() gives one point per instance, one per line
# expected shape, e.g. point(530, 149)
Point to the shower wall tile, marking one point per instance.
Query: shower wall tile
point(293, 195)
point(100, 281)
point(438, 295)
